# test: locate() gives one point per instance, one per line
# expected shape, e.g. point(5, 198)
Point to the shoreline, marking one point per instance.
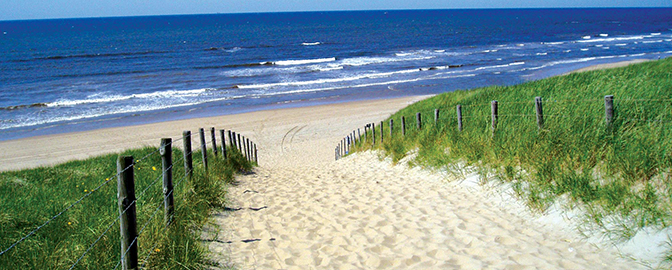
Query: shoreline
point(48, 150)
point(52, 149)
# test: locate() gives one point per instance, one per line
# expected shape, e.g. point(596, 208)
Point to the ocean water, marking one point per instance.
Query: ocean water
point(79, 74)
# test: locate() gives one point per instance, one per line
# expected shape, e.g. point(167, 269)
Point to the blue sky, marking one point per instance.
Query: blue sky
point(42, 9)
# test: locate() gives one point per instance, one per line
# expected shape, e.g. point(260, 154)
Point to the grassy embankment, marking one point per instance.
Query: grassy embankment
point(620, 175)
point(28, 198)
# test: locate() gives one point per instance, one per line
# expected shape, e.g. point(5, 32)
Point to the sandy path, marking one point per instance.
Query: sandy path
point(302, 210)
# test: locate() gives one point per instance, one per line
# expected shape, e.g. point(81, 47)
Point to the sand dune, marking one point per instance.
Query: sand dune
point(303, 210)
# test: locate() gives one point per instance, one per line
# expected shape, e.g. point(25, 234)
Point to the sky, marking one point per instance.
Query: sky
point(50, 9)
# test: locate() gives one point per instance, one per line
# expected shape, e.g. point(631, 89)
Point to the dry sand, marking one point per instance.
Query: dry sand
point(303, 210)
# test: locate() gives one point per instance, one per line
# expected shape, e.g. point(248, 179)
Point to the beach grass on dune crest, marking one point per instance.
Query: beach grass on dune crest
point(28, 198)
point(619, 173)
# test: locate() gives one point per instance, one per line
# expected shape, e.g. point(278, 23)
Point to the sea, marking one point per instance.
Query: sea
point(65, 75)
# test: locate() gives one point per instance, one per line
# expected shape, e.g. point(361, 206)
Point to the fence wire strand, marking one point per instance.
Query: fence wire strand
point(65, 210)
point(147, 222)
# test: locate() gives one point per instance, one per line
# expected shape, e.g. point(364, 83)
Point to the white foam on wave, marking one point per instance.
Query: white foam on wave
point(234, 49)
point(612, 39)
point(652, 41)
point(311, 43)
point(655, 34)
point(620, 44)
point(110, 110)
point(586, 37)
point(327, 80)
point(583, 60)
point(115, 98)
point(501, 66)
point(604, 35)
point(553, 43)
point(312, 90)
point(302, 62)
point(584, 49)
point(540, 54)
point(364, 61)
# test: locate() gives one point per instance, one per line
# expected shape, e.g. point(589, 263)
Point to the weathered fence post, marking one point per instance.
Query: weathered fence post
point(231, 140)
point(359, 134)
point(436, 116)
point(244, 147)
point(256, 159)
point(381, 131)
point(188, 159)
point(540, 112)
point(366, 130)
point(349, 143)
point(373, 133)
point(204, 149)
point(403, 126)
point(240, 147)
point(494, 111)
point(249, 150)
point(391, 127)
point(166, 152)
point(221, 135)
point(127, 220)
point(214, 141)
point(609, 109)
point(459, 118)
point(418, 120)
point(354, 138)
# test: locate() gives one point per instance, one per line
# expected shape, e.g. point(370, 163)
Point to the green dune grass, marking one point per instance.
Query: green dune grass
point(28, 198)
point(619, 174)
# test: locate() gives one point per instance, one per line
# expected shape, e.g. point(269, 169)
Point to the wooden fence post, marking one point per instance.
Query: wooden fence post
point(166, 152)
point(436, 116)
point(403, 126)
point(391, 127)
point(348, 143)
point(256, 159)
point(232, 144)
point(214, 140)
point(249, 150)
point(221, 135)
point(459, 118)
point(127, 220)
point(381, 131)
point(366, 130)
point(204, 149)
point(609, 109)
point(188, 159)
point(359, 134)
point(495, 114)
point(244, 147)
point(540, 112)
point(240, 147)
point(373, 133)
point(418, 120)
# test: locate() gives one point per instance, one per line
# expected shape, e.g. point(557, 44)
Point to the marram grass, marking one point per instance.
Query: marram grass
point(619, 173)
point(28, 198)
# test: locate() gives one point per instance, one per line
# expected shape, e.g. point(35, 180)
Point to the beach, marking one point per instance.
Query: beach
point(301, 209)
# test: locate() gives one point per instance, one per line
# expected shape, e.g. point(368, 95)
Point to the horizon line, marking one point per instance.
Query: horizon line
point(318, 11)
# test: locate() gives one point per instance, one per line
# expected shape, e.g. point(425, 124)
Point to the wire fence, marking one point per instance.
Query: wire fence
point(477, 113)
point(249, 152)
